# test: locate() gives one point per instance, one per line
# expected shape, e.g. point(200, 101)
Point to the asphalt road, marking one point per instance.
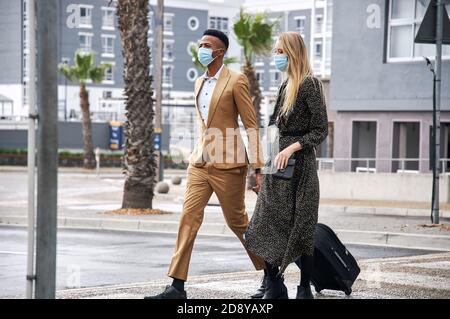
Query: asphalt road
point(89, 258)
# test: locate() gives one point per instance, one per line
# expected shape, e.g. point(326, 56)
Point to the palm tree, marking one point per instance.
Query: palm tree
point(82, 71)
point(139, 160)
point(193, 49)
point(254, 34)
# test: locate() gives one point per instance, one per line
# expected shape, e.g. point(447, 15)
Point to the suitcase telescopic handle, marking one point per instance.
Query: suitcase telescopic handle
point(340, 258)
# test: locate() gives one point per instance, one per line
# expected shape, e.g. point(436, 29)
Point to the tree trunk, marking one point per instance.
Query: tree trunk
point(255, 92)
point(89, 157)
point(139, 161)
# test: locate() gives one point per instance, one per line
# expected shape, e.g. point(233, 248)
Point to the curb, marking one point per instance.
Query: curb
point(386, 239)
point(382, 211)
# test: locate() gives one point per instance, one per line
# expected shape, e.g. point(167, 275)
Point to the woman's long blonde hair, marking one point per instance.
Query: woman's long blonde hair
point(298, 68)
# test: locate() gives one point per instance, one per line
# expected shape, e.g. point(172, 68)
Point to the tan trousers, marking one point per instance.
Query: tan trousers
point(229, 186)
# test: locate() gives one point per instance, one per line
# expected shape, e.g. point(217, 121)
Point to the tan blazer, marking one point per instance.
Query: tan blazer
point(220, 142)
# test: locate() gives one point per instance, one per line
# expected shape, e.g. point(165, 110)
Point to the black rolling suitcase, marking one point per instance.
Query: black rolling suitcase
point(334, 266)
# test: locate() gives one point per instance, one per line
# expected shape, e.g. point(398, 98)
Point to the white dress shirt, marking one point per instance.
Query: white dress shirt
point(204, 96)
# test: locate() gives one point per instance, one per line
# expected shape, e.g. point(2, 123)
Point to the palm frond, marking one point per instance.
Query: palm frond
point(254, 34)
point(84, 68)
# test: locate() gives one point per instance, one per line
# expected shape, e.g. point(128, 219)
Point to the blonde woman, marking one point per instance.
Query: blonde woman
point(282, 226)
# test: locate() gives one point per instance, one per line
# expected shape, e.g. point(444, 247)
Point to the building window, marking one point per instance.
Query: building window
point(168, 50)
point(6, 108)
point(168, 22)
point(260, 77)
point(150, 21)
point(193, 23)
point(85, 16)
point(107, 94)
point(109, 74)
point(85, 41)
point(259, 61)
point(219, 23)
point(25, 37)
point(25, 65)
point(318, 49)
point(192, 74)
point(405, 17)
point(108, 45)
point(25, 93)
point(319, 24)
point(405, 146)
point(190, 46)
point(25, 10)
point(300, 23)
point(275, 79)
point(108, 18)
point(167, 75)
point(150, 44)
point(276, 26)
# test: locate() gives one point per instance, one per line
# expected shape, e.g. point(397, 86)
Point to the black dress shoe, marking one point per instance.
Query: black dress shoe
point(304, 292)
point(276, 289)
point(170, 293)
point(261, 290)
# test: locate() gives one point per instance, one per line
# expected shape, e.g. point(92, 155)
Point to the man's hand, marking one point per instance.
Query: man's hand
point(258, 177)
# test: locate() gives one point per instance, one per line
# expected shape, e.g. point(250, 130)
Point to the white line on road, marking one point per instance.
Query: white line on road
point(12, 252)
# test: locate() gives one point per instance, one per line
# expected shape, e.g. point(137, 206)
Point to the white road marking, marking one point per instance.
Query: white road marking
point(12, 252)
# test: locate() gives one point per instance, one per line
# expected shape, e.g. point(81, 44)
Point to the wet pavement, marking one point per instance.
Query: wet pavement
point(88, 258)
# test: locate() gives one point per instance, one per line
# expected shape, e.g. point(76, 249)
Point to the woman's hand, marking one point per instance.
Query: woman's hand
point(281, 160)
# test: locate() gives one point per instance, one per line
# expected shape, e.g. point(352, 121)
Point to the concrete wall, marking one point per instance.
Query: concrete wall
point(382, 186)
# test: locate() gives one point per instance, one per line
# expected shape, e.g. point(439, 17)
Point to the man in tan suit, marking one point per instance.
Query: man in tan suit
point(219, 161)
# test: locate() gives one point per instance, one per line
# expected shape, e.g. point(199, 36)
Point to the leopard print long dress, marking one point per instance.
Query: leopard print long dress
point(285, 217)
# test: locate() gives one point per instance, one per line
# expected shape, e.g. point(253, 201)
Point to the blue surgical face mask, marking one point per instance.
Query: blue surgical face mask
point(205, 56)
point(281, 62)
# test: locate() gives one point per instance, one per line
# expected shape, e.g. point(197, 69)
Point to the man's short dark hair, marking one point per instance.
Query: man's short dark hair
point(218, 34)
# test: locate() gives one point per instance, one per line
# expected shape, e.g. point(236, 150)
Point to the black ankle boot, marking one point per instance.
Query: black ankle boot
point(276, 289)
point(170, 293)
point(261, 290)
point(304, 292)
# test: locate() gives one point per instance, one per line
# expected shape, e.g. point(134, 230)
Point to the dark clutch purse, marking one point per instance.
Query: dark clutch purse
point(285, 173)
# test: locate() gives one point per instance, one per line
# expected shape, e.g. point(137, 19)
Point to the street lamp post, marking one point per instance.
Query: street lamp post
point(65, 61)
point(159, 35)
point(437, 111)
point(431, 31)
point(47, 66)
point(32, 116)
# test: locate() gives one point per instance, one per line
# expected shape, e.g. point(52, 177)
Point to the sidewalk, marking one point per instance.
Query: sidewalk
point(424, 276)
point(84, 200)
